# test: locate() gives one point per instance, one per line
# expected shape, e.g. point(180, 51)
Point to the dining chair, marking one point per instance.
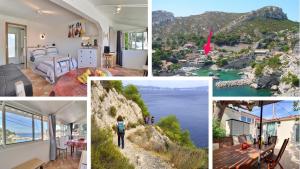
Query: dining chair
point(272, 139)
point(242, 139)
point(61, 146)
point(249, 139)
point(235, 140)
point(273, 161)
point(225, 142)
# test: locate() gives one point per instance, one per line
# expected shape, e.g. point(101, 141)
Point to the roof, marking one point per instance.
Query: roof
point(291, 117)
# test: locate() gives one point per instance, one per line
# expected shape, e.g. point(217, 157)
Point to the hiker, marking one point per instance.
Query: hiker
point(152, 120)
point(121, 131)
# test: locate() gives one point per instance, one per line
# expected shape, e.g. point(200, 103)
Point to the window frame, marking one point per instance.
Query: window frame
point(132, 36)
point(4, 111)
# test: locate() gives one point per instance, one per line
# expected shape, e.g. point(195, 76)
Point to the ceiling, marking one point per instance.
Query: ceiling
point(42, 11)
point(133, 12)
point(66, 111)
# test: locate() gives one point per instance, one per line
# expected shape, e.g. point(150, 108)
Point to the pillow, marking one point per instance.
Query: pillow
point(36, 53)
point(51, 51)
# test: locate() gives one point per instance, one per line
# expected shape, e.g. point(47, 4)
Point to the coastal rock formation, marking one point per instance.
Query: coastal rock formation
point(267, 81)
point(241, 62)
point(162, 17)
point(233, 83)
point(107, 106)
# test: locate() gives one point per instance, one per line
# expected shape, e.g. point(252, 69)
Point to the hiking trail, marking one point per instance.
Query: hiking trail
point(139, 157)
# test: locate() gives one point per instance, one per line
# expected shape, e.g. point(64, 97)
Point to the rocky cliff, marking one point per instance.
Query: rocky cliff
point(108, 105)
point(215, 20)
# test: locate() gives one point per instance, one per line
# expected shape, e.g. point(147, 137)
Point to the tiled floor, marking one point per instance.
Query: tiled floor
point(71, 162)
point(43, 88)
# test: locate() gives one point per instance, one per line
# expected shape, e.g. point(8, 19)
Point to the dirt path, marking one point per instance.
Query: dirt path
point(139, 157)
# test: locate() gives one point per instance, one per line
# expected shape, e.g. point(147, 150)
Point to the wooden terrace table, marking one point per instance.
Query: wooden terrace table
point(235, 157)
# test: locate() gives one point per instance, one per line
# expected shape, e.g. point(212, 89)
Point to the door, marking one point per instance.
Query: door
point(12, 49)
point(16, 51)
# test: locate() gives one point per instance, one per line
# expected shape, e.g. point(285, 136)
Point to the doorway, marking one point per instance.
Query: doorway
point(16, 42)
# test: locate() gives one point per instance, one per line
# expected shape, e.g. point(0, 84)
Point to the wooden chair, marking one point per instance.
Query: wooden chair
point(272, 140)
point(61, 146)
point(225, 142)
point(273, 160)
point(242, 139)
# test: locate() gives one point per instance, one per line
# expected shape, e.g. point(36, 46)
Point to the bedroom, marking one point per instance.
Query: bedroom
point(61, 33)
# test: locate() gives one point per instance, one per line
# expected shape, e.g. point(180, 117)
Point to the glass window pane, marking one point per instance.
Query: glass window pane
point(37, 127)
point(139, 41)
point(145, 41)
point(18, 126)
point(45, 128)
point(11, 45)
point(59, 131)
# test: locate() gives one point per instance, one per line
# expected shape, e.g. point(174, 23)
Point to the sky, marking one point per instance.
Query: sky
point(168, 83)
point(282, 109)
point(192, 7)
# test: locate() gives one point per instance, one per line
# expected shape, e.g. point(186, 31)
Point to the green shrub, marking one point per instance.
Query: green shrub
point(291, 79)
point(221, 61)
point(274, 62)
point(110, 84)
point(218, 130)
point(187, 158)
point(131, 93)
point(259, 69)
point(112, 111)
point(172, 129)
point(104, 153)
point(131, 125)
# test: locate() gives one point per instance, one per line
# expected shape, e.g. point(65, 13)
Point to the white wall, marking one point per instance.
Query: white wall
point(232, 114)
point(286, 129)
point(19, 153)
point(54, 34)
point(134, 59)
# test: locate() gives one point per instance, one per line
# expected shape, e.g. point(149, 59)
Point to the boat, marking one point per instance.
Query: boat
point(210, 74)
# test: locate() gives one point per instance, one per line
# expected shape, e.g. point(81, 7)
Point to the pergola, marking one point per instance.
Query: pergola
point(221, 105)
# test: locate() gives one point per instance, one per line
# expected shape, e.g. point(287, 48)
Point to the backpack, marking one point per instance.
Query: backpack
point(121, 127)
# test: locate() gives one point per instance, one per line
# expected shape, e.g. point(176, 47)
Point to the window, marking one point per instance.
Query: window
point(246, 119)
point(45, 128)
point(79, 130)
point(37, 127)
point(11, 45)
point(61, 130)
point(18, 126)
point(136, 40)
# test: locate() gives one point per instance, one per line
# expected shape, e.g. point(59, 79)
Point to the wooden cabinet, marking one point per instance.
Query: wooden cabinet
point(87, 58)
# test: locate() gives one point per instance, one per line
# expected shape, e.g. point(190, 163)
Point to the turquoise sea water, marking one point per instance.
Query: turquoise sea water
point(233, 91)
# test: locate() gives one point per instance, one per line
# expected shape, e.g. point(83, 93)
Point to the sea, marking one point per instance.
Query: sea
point(232, 91)
point(24, 136)
point(190, 106)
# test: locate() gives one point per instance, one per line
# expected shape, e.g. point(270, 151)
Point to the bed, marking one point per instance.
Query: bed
point(9, 75)
point(49, 64)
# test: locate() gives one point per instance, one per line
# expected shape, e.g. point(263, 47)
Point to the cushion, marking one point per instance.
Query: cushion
point(36, 53)
point(235, 140)
point(51, 51)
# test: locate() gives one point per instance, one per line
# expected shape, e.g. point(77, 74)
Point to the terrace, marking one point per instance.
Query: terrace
point(241, 142)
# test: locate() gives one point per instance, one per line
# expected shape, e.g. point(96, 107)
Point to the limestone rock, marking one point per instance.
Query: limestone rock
point(102, 102)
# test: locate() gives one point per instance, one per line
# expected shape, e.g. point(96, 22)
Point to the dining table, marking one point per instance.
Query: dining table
point(236, 157)
point(76, 143)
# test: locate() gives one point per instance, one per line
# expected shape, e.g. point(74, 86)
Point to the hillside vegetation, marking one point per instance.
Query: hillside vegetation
point(104, 153)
